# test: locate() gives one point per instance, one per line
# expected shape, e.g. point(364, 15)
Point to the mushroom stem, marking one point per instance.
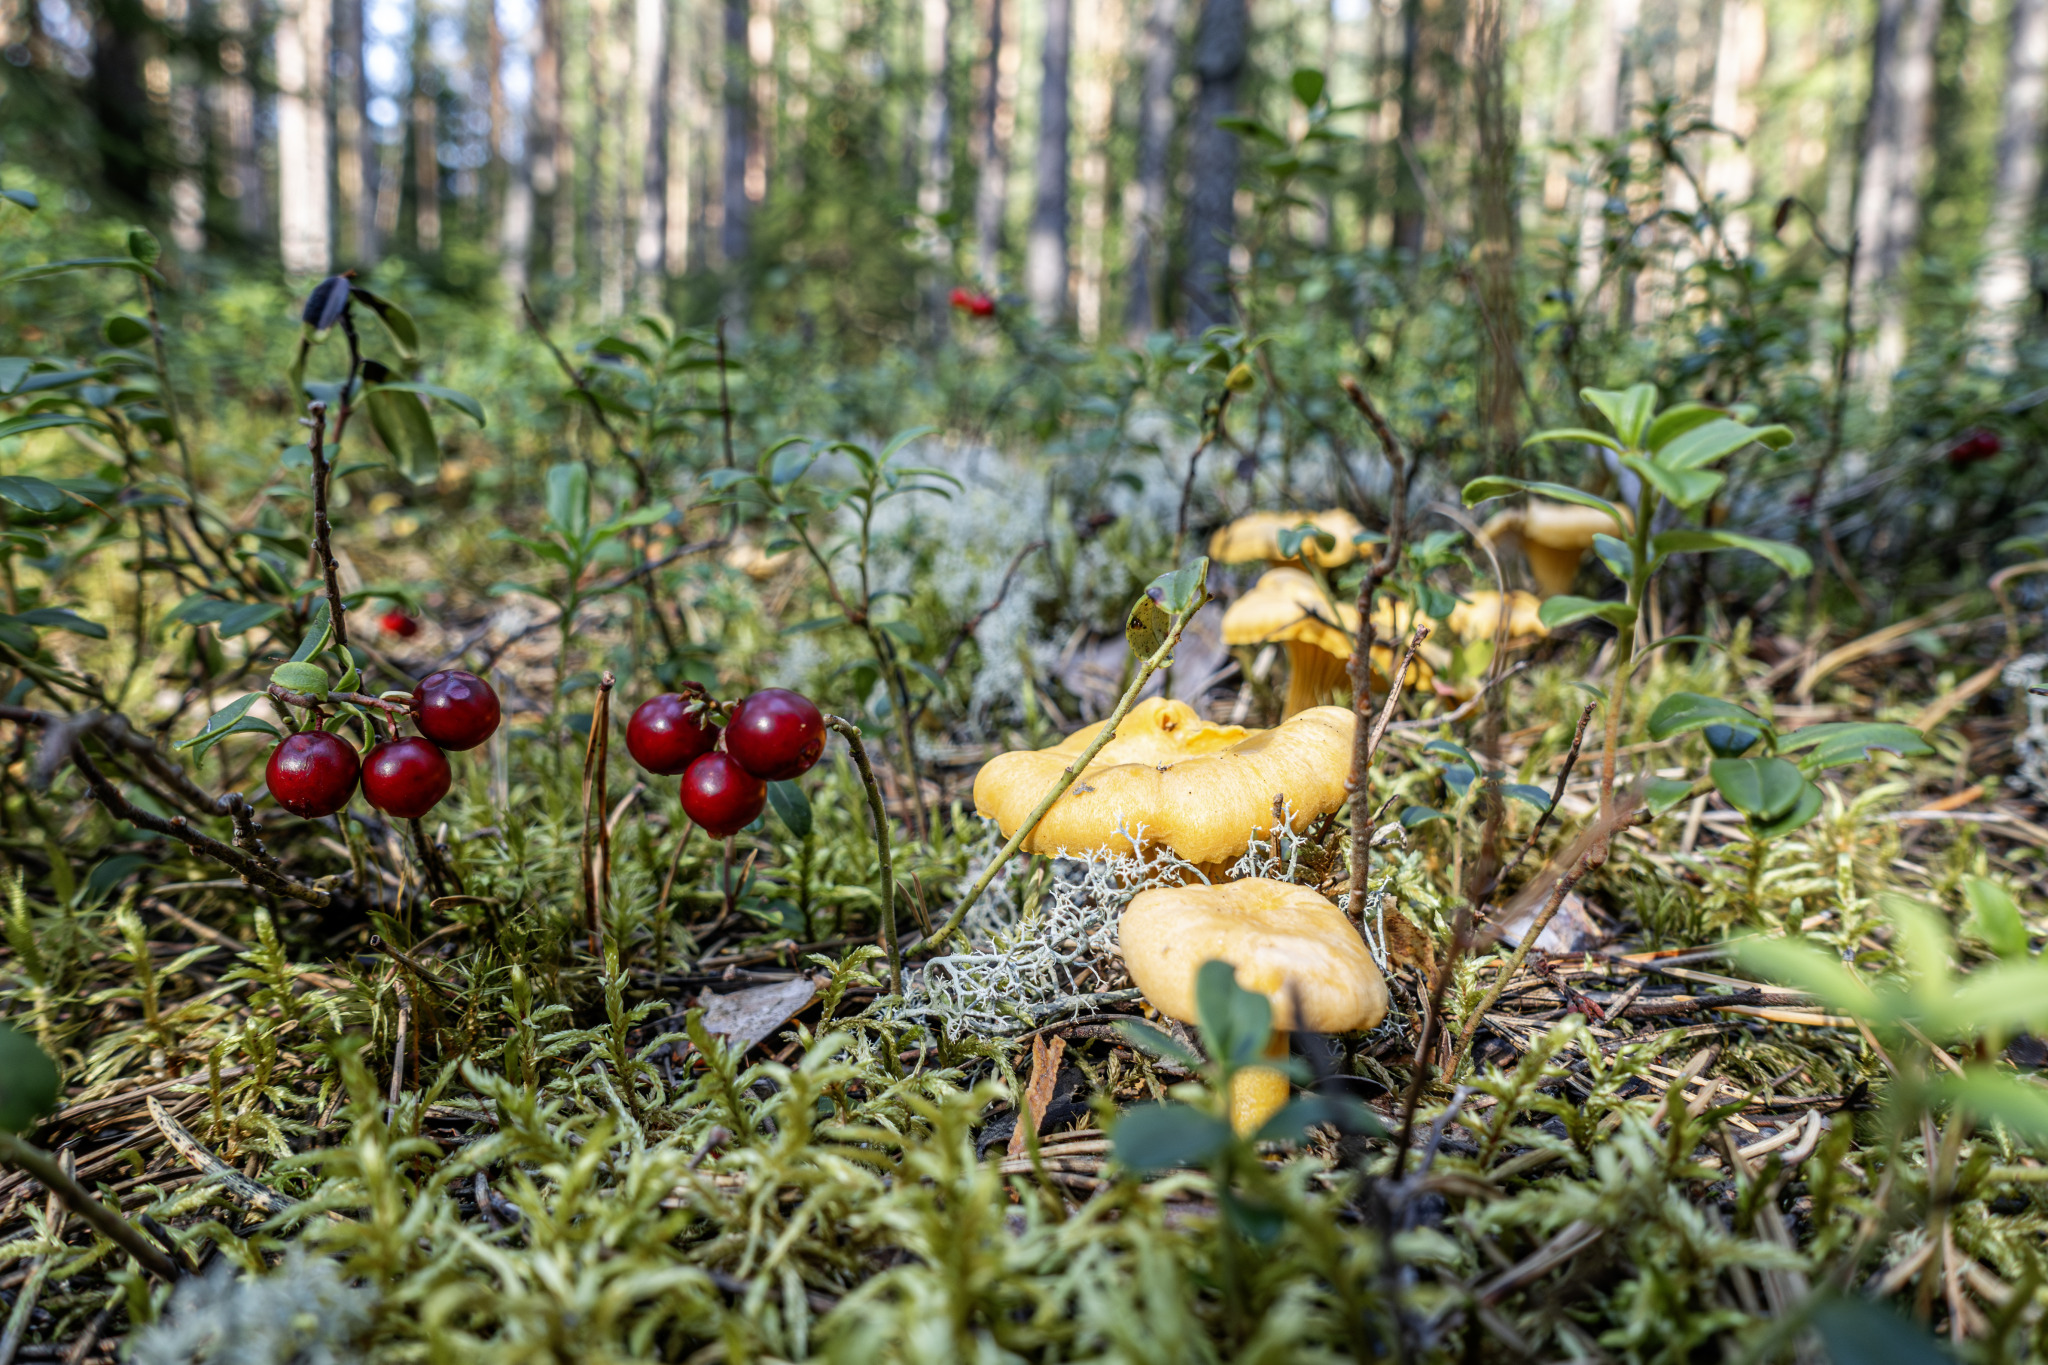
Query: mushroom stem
point(1259, 1092)
point(1313, 674)
point(1554, 569)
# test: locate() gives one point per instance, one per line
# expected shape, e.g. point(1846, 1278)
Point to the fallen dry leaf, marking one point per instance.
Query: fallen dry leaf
point(1045, 1074)
point(749, 1016)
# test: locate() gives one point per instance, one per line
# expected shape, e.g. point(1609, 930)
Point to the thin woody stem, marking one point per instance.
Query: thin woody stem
point(1366, 737)
point(851, 732)
point(116, 1229)
point(323, 547)
point(1073, 770)
point(1571, 759)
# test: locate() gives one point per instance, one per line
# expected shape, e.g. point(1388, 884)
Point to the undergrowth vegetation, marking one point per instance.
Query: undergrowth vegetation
point(1706, 921)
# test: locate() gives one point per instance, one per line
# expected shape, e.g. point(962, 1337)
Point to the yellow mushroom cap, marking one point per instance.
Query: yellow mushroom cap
point(1285, 605)
point(1285, 942)
point(1554, 536)
point(1256, 535)
point(1478, 617)
point(752, 561)
point(1201, 789)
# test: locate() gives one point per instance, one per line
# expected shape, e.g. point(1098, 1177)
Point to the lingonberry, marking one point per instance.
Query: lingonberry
point(399, 624)
point(313, 773)
point(406, 777)
point(775, 734)
point(1977, 444)
point(664, 737)
point(456, 710)
point(722, 796)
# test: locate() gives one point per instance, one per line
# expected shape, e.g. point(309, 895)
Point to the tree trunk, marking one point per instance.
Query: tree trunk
point(303, 234)
point(235, 108)
point(998, 118)
point(1146, 225)
point(935, 133)
point(2004, 278)
point(515, 213)
point(426, 142)
point(1888, 196)
point(356, 228)
point(1738, 61)
point(734, 209)
point(1495, 246)
point(651, 68)
point(687, 122)
point(1045, 248)
point(1603, 115)
point(1221, 37)
point(1100, 30)
point(124, 125)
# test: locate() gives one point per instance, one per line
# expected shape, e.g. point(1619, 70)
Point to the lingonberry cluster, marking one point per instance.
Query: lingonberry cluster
point(315, 772)
point(769, 736)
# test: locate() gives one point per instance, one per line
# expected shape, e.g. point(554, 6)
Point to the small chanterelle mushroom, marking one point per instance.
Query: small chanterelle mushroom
point(1256, 535)
point(1284, 941)
point(1555, 537)
point(1201, 789)
point(1286, 607)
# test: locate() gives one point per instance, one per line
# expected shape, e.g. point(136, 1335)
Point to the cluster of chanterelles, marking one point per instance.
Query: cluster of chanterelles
point(1170, 779)
point(1291, 606)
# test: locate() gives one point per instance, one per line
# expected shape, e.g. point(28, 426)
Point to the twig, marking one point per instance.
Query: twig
point(1178, 623)
point(44, 1167)
point(1365, 736)
point(1187, 487)
point(612, 585)
point(323, 547)
point(597, 870)
point(579, 379)
point(196, 1152)
point(851, 733)
point(1571, 758)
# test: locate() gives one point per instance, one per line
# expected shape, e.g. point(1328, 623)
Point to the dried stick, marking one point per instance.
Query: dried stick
point(323, 532)
point(596, 880)
point(1187, 487)
point(1571, 759)
point(46, 1168)
point(580, 380)
point(1366, 735)
point(851, 732)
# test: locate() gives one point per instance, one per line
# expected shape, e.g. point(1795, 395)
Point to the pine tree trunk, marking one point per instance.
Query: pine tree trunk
point(2004, 278)
point(356, 228)
point(1100, 31)
point(1603, 114)
point(1738, 61)
point(515, 212)
point(735, 211)
point(935, 134)
point(1045, 248)
point(235, 109)
point(651, 68)
point(426, 142)
point(687, 124)
point(1146, 226)
point(1495, 238)
point(1895, 134)
point(1221, 37)
point(302, 212)
point(998, 117)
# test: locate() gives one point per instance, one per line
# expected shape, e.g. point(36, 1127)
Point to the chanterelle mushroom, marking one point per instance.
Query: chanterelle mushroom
point(1555, 537)
point(1286, 607)
point(1201, 789)
point(1284, 941)
point(1478, 616)
point(1256, 535)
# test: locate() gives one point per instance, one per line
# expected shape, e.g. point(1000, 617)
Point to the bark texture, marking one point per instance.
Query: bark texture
point(1045, 249)
point(1145, 217)
point(2004, 278)
point(1221, 38)
point(1895, 133)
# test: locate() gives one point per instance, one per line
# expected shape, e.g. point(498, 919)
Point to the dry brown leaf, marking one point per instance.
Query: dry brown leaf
point(1045, 1075)
point(749, 1016)
point(1407, 943)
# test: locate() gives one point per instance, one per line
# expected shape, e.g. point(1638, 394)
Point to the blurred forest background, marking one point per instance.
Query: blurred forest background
point(1828, 210)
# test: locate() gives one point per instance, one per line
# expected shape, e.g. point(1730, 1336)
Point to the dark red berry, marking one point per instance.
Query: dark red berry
point(456, 710)
point(664, 737)
point(1976, 445)
point(406, 777)
point(399, 624)
point(313, 773)
point(972, 301)
point(776, 734)
point(722, 796)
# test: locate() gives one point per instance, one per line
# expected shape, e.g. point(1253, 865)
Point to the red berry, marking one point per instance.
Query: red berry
point(775, 734)
point(406, 777)
point(982, 306)
point(961, 297)
point(456, 710)
point(1976, 445)
point(313, 773)
point(722, 796)
point(665, 738)
point(399, 624)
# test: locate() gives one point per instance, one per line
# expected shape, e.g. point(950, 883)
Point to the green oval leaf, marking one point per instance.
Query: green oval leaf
point(455, 398)
point(1761, 788)
point(28, 1081)
point(1683, 712)
point(791, 807)
point(1557, 612)
point(401, 422)
point(1627, 410)
point(310, 679)
point(1790, 558)
point(1161, 1137)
